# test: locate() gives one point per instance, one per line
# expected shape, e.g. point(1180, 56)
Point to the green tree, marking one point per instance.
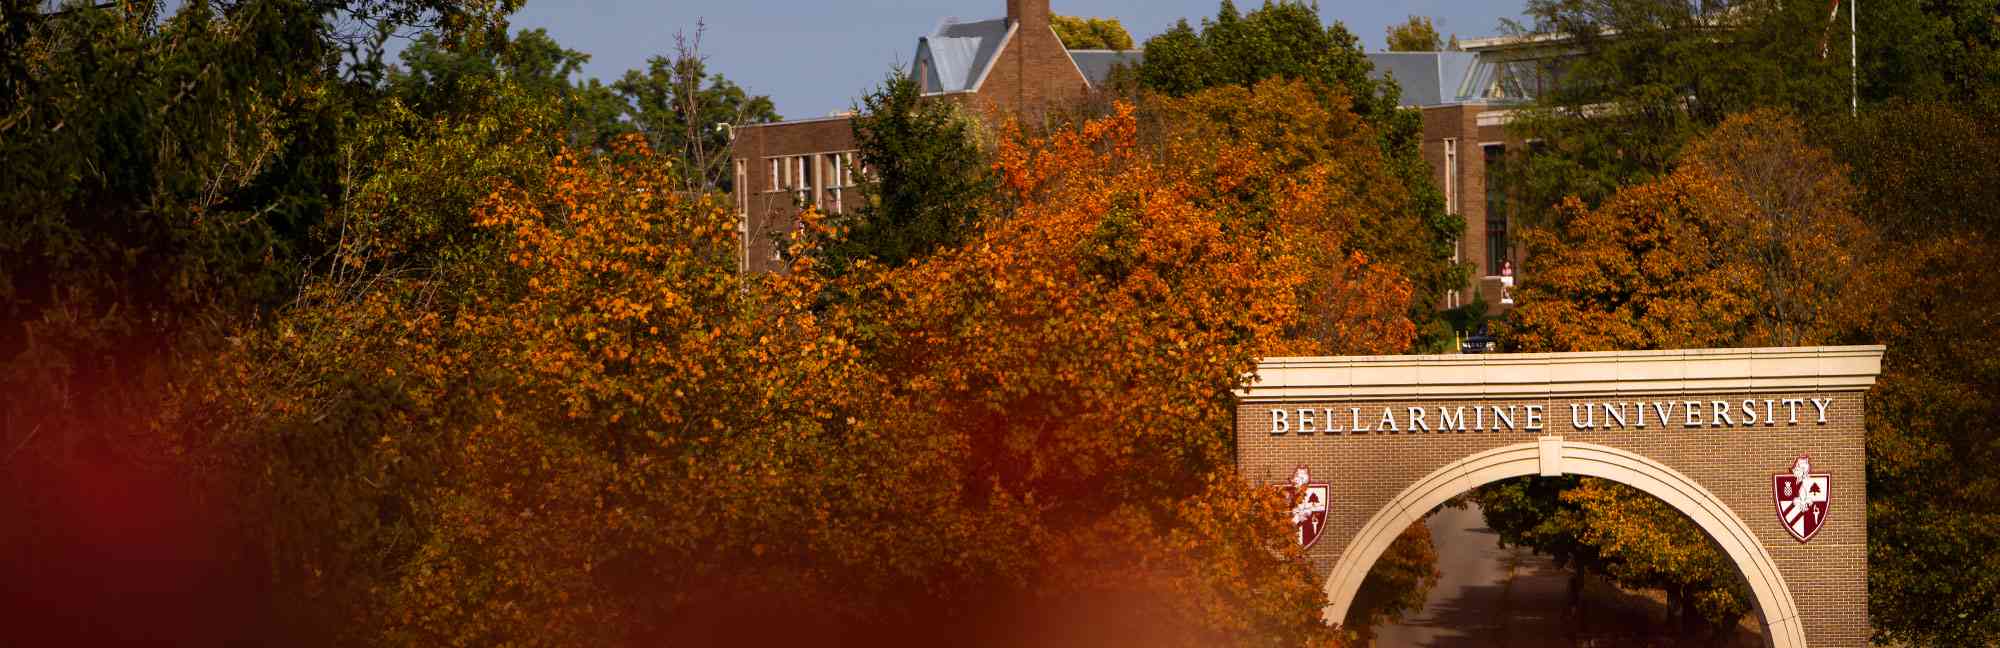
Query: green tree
point(1927, 51)
point(162, 173)
point(683, 109)
point(1933, 463)
point(435, 79)
point(167, 178)
point(1091, 33)
point(1415, 35)
point(1629, 82)
point(1280, 40)
point(927, 179)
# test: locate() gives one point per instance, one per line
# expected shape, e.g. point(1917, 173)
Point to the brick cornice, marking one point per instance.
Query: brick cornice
point(1561, 375)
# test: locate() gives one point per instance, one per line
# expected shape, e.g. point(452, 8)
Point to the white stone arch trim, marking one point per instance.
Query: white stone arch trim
point(1775, 607)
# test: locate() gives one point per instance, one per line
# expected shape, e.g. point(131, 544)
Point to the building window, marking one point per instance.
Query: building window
point(742, 191)
point(1496, 207)
point(777, 177)
point(803, 176)
point(1450, 175)
point(839, 174)
point(833, 184)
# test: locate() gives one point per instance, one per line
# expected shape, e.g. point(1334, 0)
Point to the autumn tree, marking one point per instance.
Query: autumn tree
point(1296, 133)
point(1748, 242)
point(1644, 542)
point(1091, 33)
point(1397, 584)
point(1415, 35)
point(1241, 50)
point(1927, 290)
point(577, 424)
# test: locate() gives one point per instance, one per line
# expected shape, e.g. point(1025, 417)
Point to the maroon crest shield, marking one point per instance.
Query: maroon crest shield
point(1308, 501)
point(1802, 497)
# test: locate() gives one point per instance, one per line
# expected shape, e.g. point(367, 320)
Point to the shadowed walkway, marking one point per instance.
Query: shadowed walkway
point(1486, 595)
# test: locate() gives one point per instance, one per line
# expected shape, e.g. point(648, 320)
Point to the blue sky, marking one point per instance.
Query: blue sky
point(815, 56)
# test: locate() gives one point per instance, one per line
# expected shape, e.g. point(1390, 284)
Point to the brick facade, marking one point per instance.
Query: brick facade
point(766, 205)
point(1030, 74)
point(1455, 146)
point(1034, 72)
point(1826, 577)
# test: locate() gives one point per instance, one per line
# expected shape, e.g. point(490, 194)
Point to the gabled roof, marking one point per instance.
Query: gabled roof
point(957, 55)
point(1096, 65)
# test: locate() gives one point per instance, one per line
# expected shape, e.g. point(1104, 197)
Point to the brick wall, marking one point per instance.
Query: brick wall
point(1034, 72)
point(1827, 577)
point(768, 209)
point(1461, 124)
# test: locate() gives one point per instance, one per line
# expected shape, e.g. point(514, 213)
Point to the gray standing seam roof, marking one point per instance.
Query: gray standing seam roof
point(1097, 64)
point(960, 53)
point(1426, 78)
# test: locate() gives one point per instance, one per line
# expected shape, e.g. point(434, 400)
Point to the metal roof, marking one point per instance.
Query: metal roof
point(1427, 78)
point(1097, 64)
point(956, 56)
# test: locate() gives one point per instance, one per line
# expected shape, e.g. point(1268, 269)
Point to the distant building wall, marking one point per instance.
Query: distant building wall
point(782, 166)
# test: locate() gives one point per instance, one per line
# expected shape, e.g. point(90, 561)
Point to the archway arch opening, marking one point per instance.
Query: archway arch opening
point(1550, 456)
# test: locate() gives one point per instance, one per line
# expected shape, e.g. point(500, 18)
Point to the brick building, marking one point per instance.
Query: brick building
point(1709, 432)
point(1466, 97)
point(1014, 65)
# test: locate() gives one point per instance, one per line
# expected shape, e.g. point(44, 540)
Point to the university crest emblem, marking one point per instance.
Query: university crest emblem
point(1802, 497)
point(1308, 501)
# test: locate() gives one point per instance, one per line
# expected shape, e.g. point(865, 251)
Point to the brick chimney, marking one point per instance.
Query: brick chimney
point(1031, 14)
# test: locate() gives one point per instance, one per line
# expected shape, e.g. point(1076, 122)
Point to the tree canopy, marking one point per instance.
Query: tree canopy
point(1415, 35)
point(1091, 33)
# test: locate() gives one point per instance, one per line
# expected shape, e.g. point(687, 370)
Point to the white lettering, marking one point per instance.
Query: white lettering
point(1451, 420)
point(1582, 417)
point(1617, 414)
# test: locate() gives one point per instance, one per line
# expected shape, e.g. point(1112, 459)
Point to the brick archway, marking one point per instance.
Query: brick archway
point(1713, 432)
point(1554, 456)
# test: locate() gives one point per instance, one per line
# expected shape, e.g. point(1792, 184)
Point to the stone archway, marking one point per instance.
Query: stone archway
point(1550, 456)
point(1715, 433)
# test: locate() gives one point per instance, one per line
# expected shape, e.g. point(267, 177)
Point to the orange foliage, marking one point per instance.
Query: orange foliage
point(1751, 242)
point(597, 433)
